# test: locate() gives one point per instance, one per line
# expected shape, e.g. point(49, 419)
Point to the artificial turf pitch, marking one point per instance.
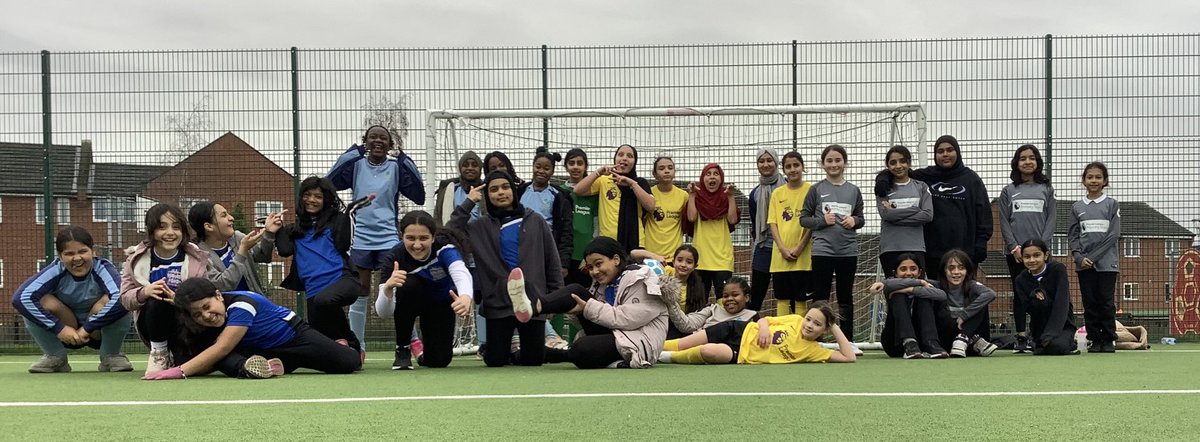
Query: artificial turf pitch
point(479, 403)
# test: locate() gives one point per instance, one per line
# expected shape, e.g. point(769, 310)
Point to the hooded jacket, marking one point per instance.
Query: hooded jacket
point(638, 317)
point(135, 274)
point(962, 212)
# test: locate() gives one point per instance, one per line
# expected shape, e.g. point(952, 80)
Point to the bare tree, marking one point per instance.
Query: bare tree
point(190, 131)
point(389, 113)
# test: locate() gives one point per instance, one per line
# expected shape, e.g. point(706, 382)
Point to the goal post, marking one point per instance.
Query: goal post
point(693, 137)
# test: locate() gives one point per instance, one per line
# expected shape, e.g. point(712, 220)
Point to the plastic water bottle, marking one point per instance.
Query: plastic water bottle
point(1167, 340)
point(1081, 340)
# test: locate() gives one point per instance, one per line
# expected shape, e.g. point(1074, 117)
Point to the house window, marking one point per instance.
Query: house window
point(1, 210)
point(62, 211)
point(1, 273)
point(264, 208)
point(274, 272)
point(1172, 248)
point(1132, 247)
point(1058, 246)
point(1130, 291)
point(114, 210)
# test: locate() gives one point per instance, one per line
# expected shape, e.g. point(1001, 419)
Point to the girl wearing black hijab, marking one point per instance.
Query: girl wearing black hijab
point(623, 197)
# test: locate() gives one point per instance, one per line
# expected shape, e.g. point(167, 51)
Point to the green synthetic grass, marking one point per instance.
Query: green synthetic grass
point(1041, 417)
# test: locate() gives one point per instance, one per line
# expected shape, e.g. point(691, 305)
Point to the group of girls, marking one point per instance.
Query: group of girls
point(526, 250)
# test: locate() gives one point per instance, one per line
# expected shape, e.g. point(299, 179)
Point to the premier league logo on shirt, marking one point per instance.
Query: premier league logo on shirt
point(611, 194)
point(788, 214)
point(659, 215)
point(778, 337)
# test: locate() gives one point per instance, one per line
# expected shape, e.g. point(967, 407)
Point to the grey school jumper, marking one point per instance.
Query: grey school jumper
point(1026, 212)
point(844, 200)
point(903, 228)
point(1094, 233)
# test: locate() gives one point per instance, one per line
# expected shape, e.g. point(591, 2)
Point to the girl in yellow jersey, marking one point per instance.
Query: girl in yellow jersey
point(772, 340)
point(663, 225)
point(791, 260)
point(713, 214)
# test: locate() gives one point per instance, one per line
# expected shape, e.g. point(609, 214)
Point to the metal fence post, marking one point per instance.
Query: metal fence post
point(545, 99)
point(300, 297)
point(47, 140)
point(795, 98)
point(1049, 104)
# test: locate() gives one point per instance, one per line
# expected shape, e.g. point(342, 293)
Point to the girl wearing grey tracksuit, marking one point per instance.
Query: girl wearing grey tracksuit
point(1093, 237)
point(1026, 212)
point(833, 210)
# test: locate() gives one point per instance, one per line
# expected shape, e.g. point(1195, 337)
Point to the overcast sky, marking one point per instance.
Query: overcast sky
point(60, 25)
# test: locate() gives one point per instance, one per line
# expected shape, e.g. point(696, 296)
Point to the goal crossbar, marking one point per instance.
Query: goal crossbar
point(917, 107)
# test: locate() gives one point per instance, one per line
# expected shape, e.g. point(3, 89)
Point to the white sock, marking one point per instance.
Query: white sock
point(665, 357)
point(158, 346)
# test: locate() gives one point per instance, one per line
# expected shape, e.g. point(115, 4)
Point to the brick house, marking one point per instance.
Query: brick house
point(110, 201)
point(1150, 244)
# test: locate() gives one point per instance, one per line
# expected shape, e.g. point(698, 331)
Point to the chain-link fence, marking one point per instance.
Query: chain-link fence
point(106, 134)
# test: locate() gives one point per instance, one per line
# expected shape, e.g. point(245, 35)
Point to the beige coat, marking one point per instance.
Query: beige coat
point(638, 318)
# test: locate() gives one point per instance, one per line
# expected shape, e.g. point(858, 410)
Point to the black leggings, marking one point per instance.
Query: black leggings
point(498, 351)
point(909, 318)
point(417, 298)
point(326, 310)
point(307, 349)
point(1019, 310)
point(1099, 311)
point(596, 347)
point(823, 270)
point(713, 281)
point(160, 321)
point(948, 329)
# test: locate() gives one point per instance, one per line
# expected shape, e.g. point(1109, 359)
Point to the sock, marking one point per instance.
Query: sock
point(671, 345)
point(665, 357)
point(157, 346)
point(907, 340)
point(689, 356)
point(783, 308)
point(358, 321)
point(801, 308)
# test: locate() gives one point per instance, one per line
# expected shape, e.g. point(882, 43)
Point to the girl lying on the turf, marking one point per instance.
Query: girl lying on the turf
point(771, 340)
point(73, 302)
point(427, 267)
point(731, 307)
point(1043, 288)
point(623, 315)
point(911, 328)
point(258, 339)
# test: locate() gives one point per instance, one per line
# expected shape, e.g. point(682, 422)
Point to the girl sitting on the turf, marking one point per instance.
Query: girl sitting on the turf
point(319, 244)
point(771, 340)
point(74, 302)
point(507, 236)
point(151, 272)
point(257, 339)
point(427, 267)
point(682, 268)
point(731, 307)
point(623, 315)
point(963, 318)
point(910, 304)
point(1044, 289)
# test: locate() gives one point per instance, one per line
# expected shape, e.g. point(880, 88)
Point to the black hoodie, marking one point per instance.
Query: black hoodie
point(962, 212)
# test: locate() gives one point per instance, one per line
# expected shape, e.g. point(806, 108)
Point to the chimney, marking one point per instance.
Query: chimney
point(83, 177)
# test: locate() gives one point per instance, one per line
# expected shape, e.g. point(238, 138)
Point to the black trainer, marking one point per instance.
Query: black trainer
point(912, 350)
point(1022, 345)
point(403, 359)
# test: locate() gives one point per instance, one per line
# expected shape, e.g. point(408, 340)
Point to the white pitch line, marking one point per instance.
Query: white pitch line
point(602, 395)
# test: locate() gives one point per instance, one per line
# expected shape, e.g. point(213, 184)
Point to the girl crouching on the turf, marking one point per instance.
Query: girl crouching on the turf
point(911, 328)
point(73, 302)
point(427, 267)
point(771, 340)
point(731, 307)
point(623, 316)
point(258, 339)
point(152, 271)
point(1044, 289)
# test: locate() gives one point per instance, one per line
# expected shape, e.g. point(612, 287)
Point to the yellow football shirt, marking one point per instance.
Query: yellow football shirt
point(785, 213)
point(664, 232)
point(610, 205)
point(787, 346)
point(712, 239)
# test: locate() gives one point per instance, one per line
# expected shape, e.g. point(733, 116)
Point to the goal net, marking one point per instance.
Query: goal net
point(694, 137)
